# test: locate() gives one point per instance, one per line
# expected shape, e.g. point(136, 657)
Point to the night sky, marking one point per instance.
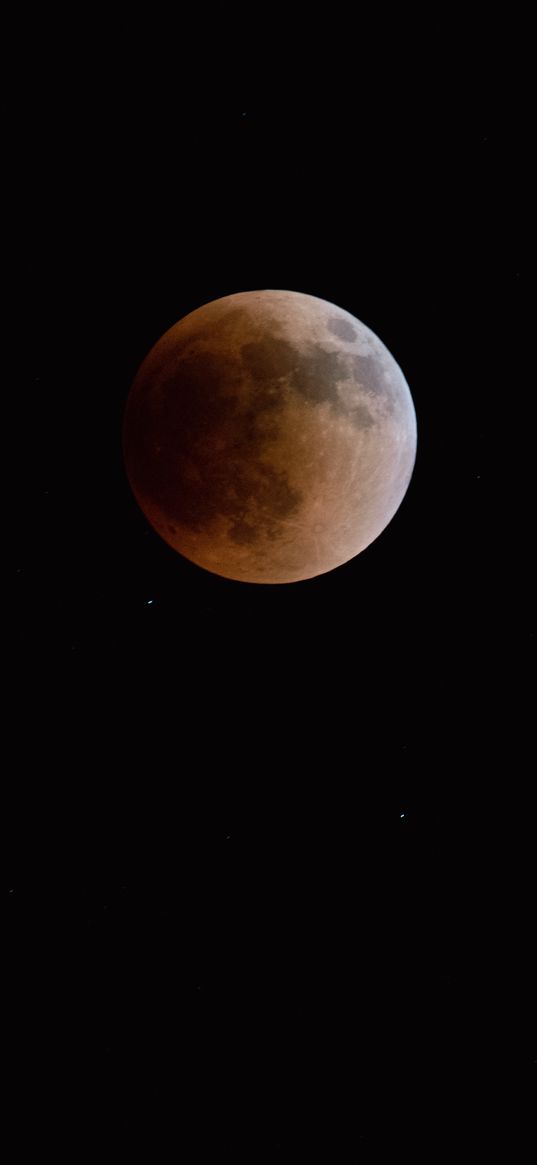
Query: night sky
point(269, 897)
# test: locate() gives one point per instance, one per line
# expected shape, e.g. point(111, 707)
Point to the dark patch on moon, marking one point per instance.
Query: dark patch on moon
point(270, 358)
point(368, 373)
point(360, 415)
point(341, 328)
point(312, 373)
point(233, 316)
point(317, 375)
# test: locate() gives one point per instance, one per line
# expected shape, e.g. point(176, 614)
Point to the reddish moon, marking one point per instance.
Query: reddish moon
point(269, 436)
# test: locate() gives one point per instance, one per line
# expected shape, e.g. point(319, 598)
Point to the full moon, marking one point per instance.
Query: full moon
point(269, 436)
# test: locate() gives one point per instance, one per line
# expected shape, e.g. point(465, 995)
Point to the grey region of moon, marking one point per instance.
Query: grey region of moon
point(269, 436)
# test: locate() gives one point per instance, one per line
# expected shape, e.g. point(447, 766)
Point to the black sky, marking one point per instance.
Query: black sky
point(268, 895)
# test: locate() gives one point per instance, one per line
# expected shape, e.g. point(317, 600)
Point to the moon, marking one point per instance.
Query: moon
point(269, 436)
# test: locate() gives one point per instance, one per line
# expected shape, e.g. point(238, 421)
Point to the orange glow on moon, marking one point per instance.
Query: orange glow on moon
point(269, 436)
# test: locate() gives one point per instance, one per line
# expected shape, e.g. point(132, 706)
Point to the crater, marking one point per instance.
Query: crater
point(341, 328)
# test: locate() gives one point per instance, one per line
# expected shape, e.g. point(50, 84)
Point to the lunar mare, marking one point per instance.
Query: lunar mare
point(269, 436)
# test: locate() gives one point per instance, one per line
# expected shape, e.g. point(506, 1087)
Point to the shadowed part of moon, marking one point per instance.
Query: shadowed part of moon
point(202, 445)
point(260, 450)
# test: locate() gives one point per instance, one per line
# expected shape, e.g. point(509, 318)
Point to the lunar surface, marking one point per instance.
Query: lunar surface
point(269, 436)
